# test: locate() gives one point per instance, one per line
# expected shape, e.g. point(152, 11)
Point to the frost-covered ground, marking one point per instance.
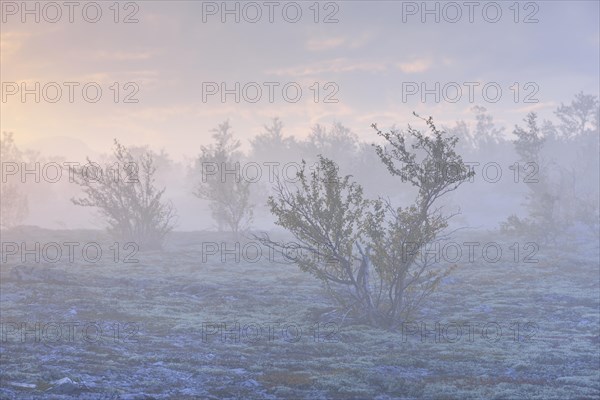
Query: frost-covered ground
point(506, 330)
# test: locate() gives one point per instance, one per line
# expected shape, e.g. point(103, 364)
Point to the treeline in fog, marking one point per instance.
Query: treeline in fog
point(538, 178)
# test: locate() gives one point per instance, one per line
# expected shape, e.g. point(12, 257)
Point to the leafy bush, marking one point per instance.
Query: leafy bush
point(369, 254)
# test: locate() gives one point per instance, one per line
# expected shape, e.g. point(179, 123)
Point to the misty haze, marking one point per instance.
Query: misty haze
point(300, 200)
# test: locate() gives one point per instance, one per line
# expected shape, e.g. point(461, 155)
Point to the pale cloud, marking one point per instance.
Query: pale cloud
point(11, 42)
point(448, 62)
point(328, 43)
point(157, 114)
point(535, 107)
point(98, 77)
point(123, 55)
point(338, 65)
point(320, 44)
point(411, 67)
point(161, 114)
point(147, 78)
point(361, 40)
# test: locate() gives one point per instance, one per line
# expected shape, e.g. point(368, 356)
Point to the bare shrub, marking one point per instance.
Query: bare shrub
point(129, 200)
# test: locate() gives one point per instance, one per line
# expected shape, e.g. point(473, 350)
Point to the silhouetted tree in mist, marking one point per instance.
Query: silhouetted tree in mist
point(577, 146)
point(580, 117)
point(128, 198)
point(222, 183)
point(561, 161)
point(272, 145)
point(541, 201)
point(13, 200)
point(337, 142)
